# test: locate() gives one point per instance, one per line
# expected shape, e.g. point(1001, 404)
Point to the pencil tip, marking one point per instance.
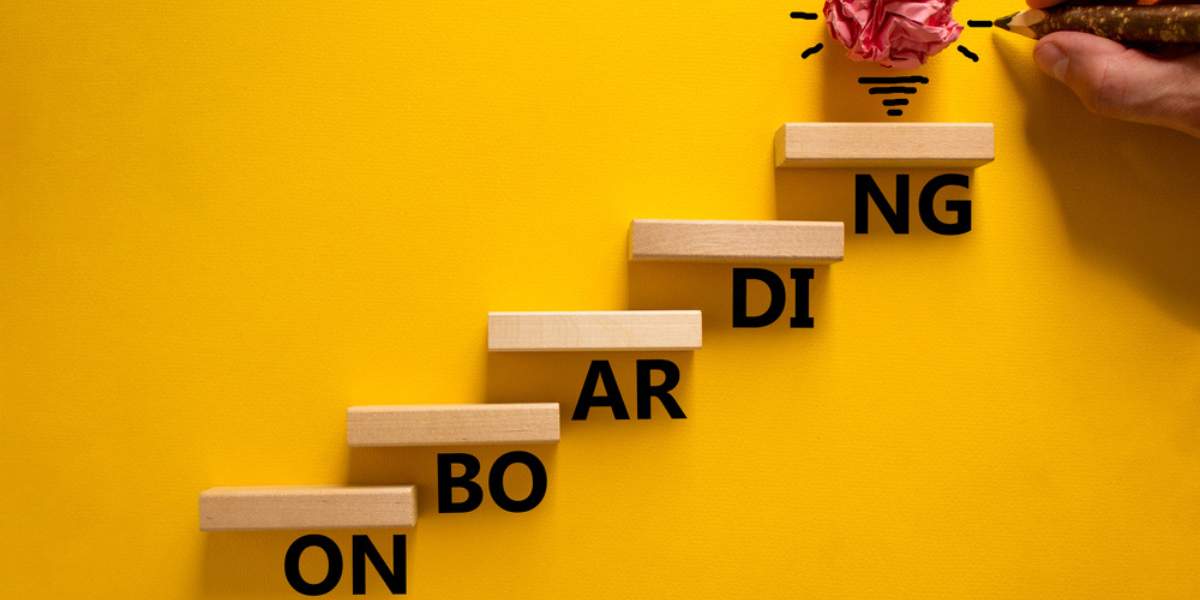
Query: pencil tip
point(1003, 22)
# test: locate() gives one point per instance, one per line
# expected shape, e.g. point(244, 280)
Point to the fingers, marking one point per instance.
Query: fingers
point(1116, 81)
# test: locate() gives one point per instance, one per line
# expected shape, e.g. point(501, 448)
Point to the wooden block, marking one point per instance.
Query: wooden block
point(816, 145)
point(444, 424)
point(599, 330)
point(805, 242)
point(258, 508)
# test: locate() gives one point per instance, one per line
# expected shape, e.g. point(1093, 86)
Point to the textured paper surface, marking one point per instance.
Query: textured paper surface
point(222, 224)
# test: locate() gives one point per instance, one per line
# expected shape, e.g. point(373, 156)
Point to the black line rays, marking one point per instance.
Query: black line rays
point(967, 51)
point(807, 16)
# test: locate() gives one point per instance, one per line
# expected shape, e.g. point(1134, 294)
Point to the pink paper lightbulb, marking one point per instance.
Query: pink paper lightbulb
point(902, 34)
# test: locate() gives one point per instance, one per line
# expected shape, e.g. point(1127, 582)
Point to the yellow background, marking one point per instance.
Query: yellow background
point(222, 223)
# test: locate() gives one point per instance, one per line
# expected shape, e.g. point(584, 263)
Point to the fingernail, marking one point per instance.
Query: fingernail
point(1051, 59)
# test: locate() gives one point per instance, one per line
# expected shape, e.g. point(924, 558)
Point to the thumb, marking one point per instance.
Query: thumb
point(1113, 80)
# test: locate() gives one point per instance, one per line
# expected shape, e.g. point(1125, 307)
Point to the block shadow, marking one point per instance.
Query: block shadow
point(559, 377)
point(1129, 194)
point(418, 466)
point(249, 564)
point(709, 288)
point(828, 195)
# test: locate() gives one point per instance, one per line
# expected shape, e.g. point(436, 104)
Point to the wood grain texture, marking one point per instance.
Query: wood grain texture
point(594, 330)
point(445, 424)
point(300, 507)
point(819, 145)
point(807, 242)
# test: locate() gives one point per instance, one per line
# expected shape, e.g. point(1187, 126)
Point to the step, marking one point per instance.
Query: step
point(449, 424)
point(307, 507)
point(594, 330)
point(819, 145)
point(795, 242)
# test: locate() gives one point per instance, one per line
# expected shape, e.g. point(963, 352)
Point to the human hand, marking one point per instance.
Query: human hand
point(1124, 83)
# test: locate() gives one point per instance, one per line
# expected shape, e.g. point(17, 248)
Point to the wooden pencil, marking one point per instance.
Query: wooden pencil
point(1123, 2)
point(1162, 23)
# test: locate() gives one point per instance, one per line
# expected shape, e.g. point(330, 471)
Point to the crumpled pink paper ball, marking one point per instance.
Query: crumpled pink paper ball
point(894, 33)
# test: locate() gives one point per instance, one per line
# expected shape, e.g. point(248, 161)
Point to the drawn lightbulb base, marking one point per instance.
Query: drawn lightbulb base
point(905, 85)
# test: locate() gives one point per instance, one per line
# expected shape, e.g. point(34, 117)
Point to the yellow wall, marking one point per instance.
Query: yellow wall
point(222, 223)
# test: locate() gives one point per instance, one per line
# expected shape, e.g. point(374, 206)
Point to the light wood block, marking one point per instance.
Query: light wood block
point(318, 507)
point(598, 330)
point(446, 424)
point(817, 145)
point(804, 242)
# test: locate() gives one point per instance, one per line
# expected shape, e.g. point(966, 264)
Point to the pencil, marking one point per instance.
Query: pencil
point(1124, 2)
point(1161, 23)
